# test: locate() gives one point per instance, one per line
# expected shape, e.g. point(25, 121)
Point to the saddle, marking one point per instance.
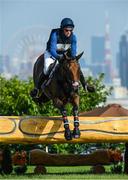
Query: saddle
point(43, 82)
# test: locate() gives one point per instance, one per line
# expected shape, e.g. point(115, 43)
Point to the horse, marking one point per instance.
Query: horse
point(62, 87)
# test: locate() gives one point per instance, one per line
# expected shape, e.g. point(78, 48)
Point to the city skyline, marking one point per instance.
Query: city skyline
point(25, 26)
point(88, 16)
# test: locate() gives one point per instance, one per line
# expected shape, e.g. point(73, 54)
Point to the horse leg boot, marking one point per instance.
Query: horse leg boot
point(76, 131)
point(67, 133)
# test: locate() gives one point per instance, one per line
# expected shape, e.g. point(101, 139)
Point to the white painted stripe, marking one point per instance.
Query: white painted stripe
point(63, 47)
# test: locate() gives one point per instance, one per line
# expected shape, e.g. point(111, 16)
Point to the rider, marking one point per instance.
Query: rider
point(59, 41)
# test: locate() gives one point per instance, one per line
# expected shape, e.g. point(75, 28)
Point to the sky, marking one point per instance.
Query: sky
point(88, 16)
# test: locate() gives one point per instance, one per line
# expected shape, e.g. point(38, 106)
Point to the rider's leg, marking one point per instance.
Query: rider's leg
point(35, 92)
point(47, 62)
point(44, 74)
point(86, 86)
point(82, 80)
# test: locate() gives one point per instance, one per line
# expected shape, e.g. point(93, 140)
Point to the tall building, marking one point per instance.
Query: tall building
point(7, 63)
point(108, 55)
point(101, 54)
point(99, 64)
point(117, 60)
point(97, 55)
point(97, 49)
point(1, 64)
point(123, 60)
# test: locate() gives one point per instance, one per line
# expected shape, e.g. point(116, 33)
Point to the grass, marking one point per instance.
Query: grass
point(78, 172)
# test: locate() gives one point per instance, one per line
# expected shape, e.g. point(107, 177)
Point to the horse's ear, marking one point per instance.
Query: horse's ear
point(67, 53)
point(79, 56)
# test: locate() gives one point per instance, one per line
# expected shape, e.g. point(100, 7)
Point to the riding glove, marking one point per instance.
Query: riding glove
point(60, 58)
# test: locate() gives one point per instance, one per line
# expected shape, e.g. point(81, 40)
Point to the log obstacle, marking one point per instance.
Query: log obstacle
point(102, 157)
point(41, 159)
point(48, 130)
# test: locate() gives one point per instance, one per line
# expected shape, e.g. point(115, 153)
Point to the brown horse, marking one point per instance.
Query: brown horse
point(62, 87)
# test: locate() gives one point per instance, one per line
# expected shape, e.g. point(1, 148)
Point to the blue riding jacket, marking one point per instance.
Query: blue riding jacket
point(58, 43)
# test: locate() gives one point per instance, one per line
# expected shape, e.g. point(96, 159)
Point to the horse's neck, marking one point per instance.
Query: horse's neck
point(58, 74)
point(61, 80)
point(59, 87)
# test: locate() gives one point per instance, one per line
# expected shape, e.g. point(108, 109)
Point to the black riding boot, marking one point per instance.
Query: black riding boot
point(42, 78)
point(82, 80)
point(85, 85)
point(35, 92)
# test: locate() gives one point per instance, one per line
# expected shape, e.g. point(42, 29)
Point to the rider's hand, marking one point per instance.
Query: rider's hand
point(60, 58)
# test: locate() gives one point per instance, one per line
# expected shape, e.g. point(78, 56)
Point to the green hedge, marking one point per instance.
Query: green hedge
point(15, 98)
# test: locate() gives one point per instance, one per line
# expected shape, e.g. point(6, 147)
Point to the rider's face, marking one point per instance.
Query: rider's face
point(68, 31)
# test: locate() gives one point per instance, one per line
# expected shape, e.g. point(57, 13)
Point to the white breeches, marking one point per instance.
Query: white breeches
point(47, 61)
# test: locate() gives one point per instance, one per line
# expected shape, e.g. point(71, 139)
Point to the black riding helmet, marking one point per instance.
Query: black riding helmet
point(67, 22)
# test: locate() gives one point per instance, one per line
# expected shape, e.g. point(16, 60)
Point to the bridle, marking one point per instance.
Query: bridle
point(67, 76)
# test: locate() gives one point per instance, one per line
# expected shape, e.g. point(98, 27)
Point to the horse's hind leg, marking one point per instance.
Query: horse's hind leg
point(59, 104)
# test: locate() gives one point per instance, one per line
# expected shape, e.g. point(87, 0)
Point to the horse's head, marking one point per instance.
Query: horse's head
point(72, 71)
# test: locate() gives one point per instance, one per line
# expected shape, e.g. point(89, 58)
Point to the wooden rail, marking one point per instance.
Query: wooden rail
point(47, 130)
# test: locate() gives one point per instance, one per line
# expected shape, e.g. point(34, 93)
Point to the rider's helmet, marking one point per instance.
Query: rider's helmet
point(67, 22)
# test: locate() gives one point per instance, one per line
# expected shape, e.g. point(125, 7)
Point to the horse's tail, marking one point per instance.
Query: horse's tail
point(38, 68)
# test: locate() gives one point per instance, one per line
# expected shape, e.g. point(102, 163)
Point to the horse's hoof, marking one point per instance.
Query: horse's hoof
point(76, 133)
point(68, 134)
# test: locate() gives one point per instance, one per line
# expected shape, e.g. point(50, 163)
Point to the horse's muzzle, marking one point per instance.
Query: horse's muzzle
point(75, 86)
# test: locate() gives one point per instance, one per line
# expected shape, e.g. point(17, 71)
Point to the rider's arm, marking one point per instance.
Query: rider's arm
point(73, 46)
point(53, 46)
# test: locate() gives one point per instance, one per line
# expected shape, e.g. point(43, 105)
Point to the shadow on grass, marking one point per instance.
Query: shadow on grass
point(67, 173)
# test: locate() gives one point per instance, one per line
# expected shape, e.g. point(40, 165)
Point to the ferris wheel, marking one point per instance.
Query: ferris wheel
point(24, 48)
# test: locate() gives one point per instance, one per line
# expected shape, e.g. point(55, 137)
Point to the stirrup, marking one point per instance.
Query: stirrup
point(35, 93)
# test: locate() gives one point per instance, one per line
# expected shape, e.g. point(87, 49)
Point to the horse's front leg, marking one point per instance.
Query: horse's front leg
point(75, 103)
point(60, 105)
point(67, 133)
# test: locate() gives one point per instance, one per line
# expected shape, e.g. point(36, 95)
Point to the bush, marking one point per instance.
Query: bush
point(15, 98)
